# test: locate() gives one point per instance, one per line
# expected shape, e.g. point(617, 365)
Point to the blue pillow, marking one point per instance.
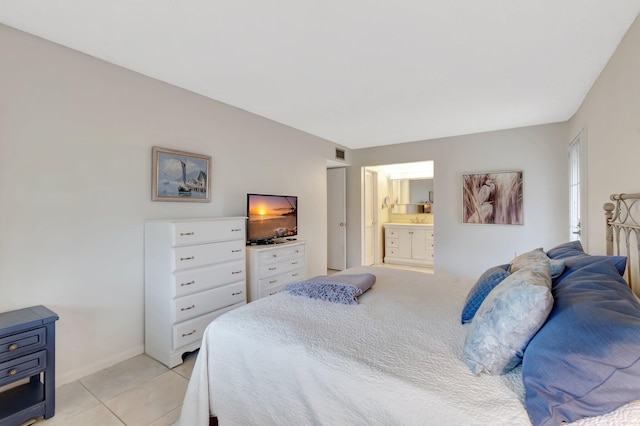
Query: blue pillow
point(575, 258)
point(507, 319)
point(557, 267)
point(585, 361)
point(487, 282)
point(572, 248)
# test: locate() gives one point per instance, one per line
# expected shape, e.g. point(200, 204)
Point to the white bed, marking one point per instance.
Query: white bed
point(395, 358)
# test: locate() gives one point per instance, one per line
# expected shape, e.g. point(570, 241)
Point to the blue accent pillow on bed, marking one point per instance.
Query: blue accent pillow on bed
point(585, 361)
point(575, 258)
point(487, 282)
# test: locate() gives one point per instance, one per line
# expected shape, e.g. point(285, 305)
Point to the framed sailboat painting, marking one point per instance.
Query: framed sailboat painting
point(180, 176)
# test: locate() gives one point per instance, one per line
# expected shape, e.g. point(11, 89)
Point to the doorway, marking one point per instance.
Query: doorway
point(336, 219)
point(381, 205)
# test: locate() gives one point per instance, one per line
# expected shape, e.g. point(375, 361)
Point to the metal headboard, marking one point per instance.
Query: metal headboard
point(623, 232)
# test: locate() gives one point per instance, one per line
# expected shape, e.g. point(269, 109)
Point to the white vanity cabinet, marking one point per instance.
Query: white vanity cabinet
point(271, 267)
point(195, 270)
point(409, 244)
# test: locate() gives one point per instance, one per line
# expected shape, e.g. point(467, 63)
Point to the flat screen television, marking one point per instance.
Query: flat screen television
point(271, 218)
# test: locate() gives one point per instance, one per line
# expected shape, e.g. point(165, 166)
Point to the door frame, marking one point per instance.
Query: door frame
point(332, 244)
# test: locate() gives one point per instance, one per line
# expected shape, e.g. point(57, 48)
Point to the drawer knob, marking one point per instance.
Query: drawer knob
point(273, 268)
point(236, 293)
point(182, 234)
point(188, 258)
point(186, 309)
point(13, 372)
point(235, 272)
point(295, 274)
point(273, 281)
point(188, 334)
point(189, 283)
point(236, 230)
point(236, 251)
point(13, 347)
point(294, 263)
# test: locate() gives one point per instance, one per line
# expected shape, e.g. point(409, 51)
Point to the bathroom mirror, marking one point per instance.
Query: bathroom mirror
point(412, 191)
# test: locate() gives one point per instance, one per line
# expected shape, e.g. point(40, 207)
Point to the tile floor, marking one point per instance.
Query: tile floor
point(137, 392)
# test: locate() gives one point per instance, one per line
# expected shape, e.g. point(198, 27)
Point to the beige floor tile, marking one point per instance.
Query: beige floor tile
point(96, 416)
point(71, 400)
point(168, 419)
point(186, 367)
point(149, 401)
point(122, 377)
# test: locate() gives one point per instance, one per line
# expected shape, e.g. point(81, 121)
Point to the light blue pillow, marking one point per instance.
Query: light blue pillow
point(487, 282)
point(557, 267)
point(506, 321)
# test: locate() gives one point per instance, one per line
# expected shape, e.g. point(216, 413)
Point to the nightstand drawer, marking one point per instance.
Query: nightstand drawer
point(19, 343)
point(22, 367)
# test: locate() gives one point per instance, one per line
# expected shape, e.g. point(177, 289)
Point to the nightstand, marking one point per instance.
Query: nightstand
point(27, 352)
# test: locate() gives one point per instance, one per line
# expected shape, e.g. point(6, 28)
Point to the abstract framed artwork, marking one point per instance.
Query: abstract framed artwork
point(494, 197)
point(180, 176)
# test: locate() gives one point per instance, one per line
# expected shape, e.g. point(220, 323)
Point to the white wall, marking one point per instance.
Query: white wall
point(610, 116)
point(465, 249)
point(75, 174)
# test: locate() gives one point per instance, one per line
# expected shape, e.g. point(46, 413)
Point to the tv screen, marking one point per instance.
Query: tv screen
point(271, 217)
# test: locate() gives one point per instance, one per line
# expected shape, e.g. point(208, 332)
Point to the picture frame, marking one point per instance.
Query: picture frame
point(180, 176)
point(493, 198)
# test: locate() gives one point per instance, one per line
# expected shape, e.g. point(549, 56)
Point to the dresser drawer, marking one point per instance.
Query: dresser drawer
point(391, 251)
point(192, 330)
point(199, 279)
point(391, 243)
point(207, 254)
point(19, 343)
point(271, 269)
point(210, 300)
point(22, 367)
point(200, 232)
point(283, 253)
point(273, 285)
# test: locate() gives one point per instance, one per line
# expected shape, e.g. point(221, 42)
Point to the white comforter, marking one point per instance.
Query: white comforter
point(394, 359)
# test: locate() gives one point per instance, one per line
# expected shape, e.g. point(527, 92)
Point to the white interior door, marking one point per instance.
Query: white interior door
point(336, 219)
point(369, 217)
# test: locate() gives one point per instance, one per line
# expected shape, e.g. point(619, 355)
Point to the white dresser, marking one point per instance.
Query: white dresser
point(408, 244)
point(195, 270)
point(271, 267)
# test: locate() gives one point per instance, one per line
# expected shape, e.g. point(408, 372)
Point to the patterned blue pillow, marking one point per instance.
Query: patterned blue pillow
point(487, 282)
point(508, 318)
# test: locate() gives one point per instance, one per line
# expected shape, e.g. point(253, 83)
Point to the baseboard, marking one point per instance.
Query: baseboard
point(73, 375)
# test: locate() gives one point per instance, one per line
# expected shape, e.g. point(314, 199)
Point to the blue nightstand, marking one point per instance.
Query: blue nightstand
point(27, 351)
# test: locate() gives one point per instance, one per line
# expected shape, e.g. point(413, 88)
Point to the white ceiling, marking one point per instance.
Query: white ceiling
point(357, 72)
